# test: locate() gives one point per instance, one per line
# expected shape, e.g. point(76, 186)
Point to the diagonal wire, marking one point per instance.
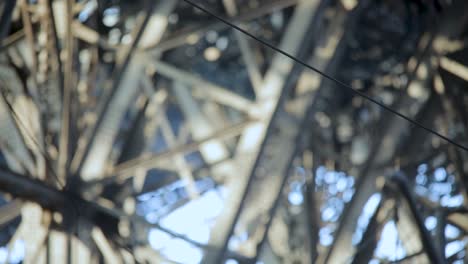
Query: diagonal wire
point(42, 151)
point(46, 156)
point(5, 19)
point(331, 78)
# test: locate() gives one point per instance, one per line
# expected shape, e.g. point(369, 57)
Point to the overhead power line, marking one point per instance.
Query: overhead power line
point(331, 78)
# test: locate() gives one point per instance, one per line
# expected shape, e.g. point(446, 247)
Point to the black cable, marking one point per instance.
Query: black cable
point(340, 83)
point(4, 27)
point(33, 139)
point(46, 158)
point(5, 23)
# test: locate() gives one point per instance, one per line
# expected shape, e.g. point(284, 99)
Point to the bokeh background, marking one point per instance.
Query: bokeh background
point(144, 131)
